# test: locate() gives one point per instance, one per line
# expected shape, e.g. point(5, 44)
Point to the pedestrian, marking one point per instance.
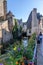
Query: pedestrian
point(38, 39)
point(40, 35)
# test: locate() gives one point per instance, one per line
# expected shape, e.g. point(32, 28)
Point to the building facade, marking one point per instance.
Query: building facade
point(33, 22)
point(41, 25)
point(3, 9)
point(24, 28)
point(10, 18)
point(6, 23)
point(5, 34)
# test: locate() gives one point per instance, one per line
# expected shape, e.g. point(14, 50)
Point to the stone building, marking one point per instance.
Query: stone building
point(6, 23)
point(24, 28)
point(5, 34)
point(3, 9)
point(41, 25)
point(32, 22)
point(10, 18)
point(19, 22)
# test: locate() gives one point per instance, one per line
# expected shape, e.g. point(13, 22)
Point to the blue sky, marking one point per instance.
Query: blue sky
point(22, 8)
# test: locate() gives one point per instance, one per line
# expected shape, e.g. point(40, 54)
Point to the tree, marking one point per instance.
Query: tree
point(15, 30)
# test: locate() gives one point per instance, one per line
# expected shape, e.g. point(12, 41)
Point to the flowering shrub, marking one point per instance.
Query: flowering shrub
point(28, 54)
point(15, 48)
point(19, 54)
point(19, 49)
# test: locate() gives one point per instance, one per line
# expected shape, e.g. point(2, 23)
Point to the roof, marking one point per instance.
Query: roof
point(10, 13)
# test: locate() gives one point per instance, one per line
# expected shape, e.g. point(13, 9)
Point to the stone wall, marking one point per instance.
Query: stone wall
point(34, 21)
point(3, 8)
point(41, 25)
point(5, 33)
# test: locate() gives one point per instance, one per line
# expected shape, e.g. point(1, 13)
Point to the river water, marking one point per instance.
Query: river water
point(25, 41)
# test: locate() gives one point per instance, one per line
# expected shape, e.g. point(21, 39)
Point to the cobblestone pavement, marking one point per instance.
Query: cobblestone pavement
point(40, 53)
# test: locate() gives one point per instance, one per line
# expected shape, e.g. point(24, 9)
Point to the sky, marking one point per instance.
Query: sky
point(22, 8)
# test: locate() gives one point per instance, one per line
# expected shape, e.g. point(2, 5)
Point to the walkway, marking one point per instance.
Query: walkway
point(40, 53)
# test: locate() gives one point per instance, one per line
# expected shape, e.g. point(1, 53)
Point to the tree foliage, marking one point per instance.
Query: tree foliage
point(15, 30)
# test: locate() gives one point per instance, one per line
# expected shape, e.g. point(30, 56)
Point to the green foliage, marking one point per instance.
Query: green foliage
point(21, 51)
point(31, 43)
point(15, 30)
point(28, 54)
point(33, 36)
point(20, 29)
